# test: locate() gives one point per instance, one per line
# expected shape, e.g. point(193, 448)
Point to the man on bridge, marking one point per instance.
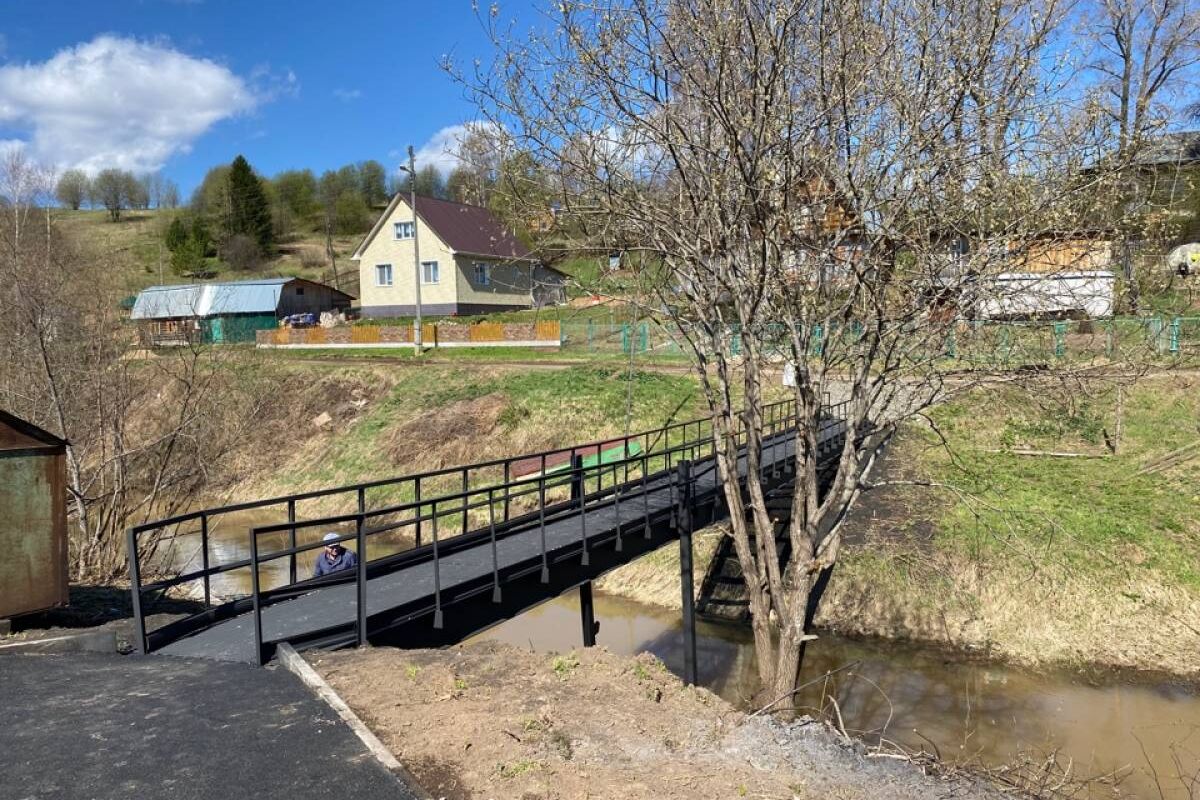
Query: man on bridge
point(334, 557)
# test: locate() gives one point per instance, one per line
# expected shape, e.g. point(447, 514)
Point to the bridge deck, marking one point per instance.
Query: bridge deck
point(406, 595)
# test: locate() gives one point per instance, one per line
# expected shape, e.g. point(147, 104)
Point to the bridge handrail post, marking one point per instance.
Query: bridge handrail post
point(495, 557)
point(361, 578)
point(645, 492)
point(204, 559)
point(578, 493)
point(507, 489)
point(291, 509)
point(542, 519)
point(617, 505)
point(135, 585)
point(466, 500)
point(255, 599)
point(417, 499)
point(437, 570)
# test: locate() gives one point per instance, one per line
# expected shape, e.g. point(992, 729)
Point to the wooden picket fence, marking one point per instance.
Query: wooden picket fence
point(549, 332)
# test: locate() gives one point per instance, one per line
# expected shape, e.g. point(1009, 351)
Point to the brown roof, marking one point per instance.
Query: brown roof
point(469, 229)
point(17, 434)
point(465, 229)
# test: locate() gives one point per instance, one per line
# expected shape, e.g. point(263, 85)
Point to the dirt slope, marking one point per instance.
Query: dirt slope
point(491, 721)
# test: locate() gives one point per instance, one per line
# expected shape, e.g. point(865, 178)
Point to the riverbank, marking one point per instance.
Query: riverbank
point(1022, 553)
point(1084, 562)
point(491, 720)
point(987, 538)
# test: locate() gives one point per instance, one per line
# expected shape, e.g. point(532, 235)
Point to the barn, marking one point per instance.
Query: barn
point(217, 313)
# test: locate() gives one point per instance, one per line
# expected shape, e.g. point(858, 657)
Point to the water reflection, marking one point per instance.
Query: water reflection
point(229, 543)
point(920, 697)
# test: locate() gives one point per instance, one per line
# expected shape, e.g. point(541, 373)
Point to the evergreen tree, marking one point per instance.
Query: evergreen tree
point(249, 208)
point(177, 235)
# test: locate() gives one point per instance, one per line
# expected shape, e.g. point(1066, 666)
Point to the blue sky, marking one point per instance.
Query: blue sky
point(191, 83)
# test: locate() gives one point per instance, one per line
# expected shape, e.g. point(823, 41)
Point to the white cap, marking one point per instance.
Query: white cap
point(330, 537)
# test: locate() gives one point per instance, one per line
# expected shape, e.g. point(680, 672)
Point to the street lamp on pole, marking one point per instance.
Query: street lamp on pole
point(411, 169)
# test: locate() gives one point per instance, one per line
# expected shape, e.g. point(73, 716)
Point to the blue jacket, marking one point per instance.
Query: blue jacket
point(345, 560)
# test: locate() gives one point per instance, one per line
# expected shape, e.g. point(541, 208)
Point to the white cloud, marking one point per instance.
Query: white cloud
point(441, 148)
point(269, 85)
point(116, 102)
point(346, 95)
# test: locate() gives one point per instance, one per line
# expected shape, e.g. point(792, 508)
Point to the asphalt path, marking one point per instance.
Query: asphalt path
point(87, 727)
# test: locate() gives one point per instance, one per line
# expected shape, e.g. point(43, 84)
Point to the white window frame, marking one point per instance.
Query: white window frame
point(425, 273)
point(409, 230)
point(390, 275)
point(482, 273)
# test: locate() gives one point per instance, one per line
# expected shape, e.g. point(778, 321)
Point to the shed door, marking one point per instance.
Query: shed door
point(32, 533)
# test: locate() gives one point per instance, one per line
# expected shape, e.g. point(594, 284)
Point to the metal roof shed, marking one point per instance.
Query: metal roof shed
point(227, 312)
point(33, 518)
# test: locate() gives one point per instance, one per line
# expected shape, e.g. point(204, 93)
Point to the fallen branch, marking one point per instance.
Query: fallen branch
point(1047, 453)
point(1171, 459)
point(805, 685)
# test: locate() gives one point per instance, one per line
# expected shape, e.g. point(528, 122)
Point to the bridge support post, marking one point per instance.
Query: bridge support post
point(687, 588)
point(587, 614)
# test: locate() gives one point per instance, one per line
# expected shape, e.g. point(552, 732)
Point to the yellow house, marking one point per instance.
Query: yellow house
point(470, 263)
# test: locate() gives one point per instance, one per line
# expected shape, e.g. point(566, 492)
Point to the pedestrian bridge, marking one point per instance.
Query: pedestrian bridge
point(451, 552)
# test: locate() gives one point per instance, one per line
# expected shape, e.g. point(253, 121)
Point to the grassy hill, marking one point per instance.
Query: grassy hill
point(134, 246)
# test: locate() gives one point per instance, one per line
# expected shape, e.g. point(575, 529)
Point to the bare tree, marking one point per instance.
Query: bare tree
point(72, 189)
point(142, 433)
point(838, 183)
point(111, 189)
point(1142, 47)
point(169, 198)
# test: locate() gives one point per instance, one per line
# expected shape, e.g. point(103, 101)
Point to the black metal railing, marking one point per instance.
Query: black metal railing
point(490, 499)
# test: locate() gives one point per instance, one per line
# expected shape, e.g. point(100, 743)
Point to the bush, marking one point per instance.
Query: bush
point(311, 257)
point(241, 252)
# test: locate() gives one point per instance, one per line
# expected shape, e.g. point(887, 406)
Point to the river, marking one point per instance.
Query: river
point(922, 697)
point(916, 696)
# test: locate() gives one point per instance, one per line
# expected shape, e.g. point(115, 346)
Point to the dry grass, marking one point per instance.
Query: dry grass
point(1054, 616)
point(654, 578)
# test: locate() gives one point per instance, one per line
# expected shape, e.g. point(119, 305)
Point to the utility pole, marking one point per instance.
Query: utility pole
point(412, 185)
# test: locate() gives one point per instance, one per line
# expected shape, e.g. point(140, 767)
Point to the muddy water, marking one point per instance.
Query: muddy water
point(229, 542)
point(922, 697)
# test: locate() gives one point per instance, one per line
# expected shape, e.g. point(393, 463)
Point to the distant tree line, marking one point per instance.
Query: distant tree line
point(239, 216)
point(116, 190)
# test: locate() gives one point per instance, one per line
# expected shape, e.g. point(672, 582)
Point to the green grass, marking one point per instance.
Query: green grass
point(134, 247)
point(1094, 513)
point(566, 406)
point(500, 355)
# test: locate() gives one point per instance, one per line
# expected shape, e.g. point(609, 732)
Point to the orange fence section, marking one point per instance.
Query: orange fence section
point(431, 334)
point(486, 332)
point(365, 334)
point(550, 330)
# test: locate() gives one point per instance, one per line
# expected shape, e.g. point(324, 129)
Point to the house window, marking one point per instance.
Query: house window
point(429, 272)
point(299, 290)
point(483, 274)
point(404, 230)
point(383, 274)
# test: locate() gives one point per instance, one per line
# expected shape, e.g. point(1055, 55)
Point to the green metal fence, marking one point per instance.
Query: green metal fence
point(980, 343)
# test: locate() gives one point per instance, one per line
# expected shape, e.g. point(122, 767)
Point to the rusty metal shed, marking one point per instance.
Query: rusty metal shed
point(33, 518)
